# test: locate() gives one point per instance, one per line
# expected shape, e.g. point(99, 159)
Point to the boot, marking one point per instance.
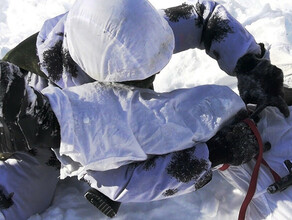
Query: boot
point(107, 206)
point(26, 118)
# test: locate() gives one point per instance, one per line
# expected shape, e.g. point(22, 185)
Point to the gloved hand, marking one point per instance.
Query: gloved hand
point(261, 83)
point(5, 202)
point(234, 144)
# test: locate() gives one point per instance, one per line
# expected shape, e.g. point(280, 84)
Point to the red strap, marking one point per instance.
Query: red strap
point(275, 175)
point(254, 177)
point(224, 167)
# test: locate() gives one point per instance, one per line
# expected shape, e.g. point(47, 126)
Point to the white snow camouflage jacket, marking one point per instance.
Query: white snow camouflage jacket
point(107, 129)
point(106, 126)
point(204, 25)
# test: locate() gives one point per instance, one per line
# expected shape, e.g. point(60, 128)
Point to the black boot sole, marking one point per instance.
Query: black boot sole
point(107, 206)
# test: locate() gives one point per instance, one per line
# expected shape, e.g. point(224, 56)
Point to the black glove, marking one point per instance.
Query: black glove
point(261, 83)
point(234, 144)
point(5, 202)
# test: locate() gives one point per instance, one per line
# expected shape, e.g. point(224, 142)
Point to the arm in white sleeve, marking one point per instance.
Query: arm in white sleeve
point(108, 127)
point(31, 180)
point(207, 25)
point(157, 178)
point(105, 125)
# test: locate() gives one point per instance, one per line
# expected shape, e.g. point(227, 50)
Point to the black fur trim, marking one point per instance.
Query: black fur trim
point(200, 9)
point(54, 162)
point(185, 167)
point(216, 29)
point(183, 11)
point(150, 163)
point(170, 192)
point(69, 64)
point(53, 61)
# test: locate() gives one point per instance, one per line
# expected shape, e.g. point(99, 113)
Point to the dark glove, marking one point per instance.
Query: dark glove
point(5, 202)
point(261, 83)
point(234, 144)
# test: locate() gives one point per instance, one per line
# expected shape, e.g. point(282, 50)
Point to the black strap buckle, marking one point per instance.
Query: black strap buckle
point(284, 182)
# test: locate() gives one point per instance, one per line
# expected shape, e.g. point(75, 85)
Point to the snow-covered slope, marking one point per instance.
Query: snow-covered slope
point(270, 21)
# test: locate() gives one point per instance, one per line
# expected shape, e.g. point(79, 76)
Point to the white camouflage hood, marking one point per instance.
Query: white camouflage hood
point(118, 40)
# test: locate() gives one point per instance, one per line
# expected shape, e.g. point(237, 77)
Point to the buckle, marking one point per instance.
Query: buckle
point(284, 182)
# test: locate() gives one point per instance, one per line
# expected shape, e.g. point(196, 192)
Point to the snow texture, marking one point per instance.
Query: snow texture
point(270, 21)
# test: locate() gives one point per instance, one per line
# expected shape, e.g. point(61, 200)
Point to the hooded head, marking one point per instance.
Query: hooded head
point(118, 40)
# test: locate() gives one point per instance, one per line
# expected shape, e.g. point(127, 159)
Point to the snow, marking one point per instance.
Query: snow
point(270, 21)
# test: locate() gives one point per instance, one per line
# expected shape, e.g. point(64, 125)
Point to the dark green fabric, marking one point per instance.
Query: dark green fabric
point(24, 55)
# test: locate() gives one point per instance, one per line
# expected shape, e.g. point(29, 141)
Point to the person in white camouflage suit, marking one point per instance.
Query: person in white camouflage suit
point(85, 91)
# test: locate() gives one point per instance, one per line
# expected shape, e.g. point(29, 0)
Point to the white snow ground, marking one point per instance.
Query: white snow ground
point(270, 21)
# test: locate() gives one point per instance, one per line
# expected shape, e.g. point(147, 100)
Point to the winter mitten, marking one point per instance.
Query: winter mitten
point(5, 201)
point(288, 95)
point(27, 120)
point(261, 83)
point(234, 144)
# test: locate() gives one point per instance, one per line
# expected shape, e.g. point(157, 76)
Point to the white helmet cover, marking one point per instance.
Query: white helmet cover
point(118, 40)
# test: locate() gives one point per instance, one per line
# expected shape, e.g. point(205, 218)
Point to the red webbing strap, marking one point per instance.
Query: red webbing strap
point(275, 175)
point(254, 177)
point(224, 167)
